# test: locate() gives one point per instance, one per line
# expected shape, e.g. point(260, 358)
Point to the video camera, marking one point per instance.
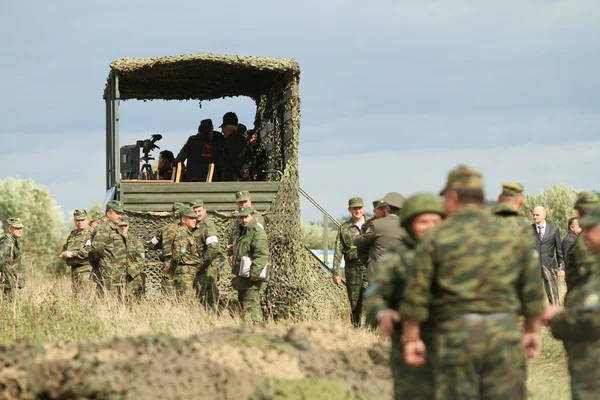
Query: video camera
point(148, 145)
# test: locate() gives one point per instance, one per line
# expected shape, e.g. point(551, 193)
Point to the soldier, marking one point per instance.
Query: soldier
point(380, 210)
point(472, 278)
point(250, 264)
point(242, 199)
point(11, 270)
point(136, 260)
point(355, 269)
point(76, 253)
point(211, 257)
point(164, 239)
point(578, 323)
point(109, 248)
point(420, 213)
point(185, 259)
point(97, 217)
point(509, 202)
point(383, 234)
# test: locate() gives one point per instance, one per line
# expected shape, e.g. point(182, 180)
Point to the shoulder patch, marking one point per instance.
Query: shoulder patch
point(591, 301)
point(88, 242)
point(183, 250)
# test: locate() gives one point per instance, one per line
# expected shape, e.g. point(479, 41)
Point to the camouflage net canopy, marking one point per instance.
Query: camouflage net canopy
point(299, 288)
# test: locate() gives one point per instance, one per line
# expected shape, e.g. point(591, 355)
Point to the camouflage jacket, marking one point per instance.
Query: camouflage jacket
point(80, 244)
point(207, 241)
point(237, 228)
point(136, 256)
point(164, 240)
point(185, 249)
point(473, 263)
point(109, 248)
point(344, 247)
point(252, 243)
point(580, 262)
point(10, 261)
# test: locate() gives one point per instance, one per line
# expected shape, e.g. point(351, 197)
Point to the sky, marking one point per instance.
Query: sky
point(394, 93)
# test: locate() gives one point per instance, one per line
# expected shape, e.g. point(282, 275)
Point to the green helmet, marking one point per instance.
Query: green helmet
point(419, 204)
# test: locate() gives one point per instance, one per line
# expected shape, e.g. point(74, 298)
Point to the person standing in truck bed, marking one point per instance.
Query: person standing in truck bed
point(200, 150)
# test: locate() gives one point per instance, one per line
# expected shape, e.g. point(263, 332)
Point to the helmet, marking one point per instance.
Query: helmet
point(419, 204)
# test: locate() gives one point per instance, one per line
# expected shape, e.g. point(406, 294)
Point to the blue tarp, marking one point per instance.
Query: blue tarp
point(319, 253)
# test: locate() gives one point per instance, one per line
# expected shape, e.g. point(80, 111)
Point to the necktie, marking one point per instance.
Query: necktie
point(540, 232)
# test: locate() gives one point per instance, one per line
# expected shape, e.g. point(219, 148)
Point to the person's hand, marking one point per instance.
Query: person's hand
point(337, 280)
point(414, 353)
point(252, 279)
point(66, 254)
point(561, 272)
point(167, 269)
point(532, 343)
point(387, 320)
point(549, 313)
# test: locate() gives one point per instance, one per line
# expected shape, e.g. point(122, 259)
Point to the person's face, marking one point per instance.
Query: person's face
point(424, 222)
point(188, 222)
point(113, 216)
point(245, 203)
point(200, 213)
point(245, 220)
point(575, 228)
point(379, 212)
point(451, 202)
point(592, 238)
point(94, 224)
point(539, 216)
point(356, 212)
point(16, 232)
point(81, 224)
point(123, 229)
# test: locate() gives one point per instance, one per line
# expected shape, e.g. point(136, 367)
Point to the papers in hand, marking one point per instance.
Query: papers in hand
point(246, 265)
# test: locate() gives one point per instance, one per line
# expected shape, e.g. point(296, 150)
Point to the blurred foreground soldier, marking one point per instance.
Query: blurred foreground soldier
point(570, 238)
point(250, 264)
point(509, 202)
point(548, 243)
point(355, 269)
point(380, 210)
point(200, 150)
point(211, 257)
point(419, 214)
point(578, 323)
point(472, 278)
point(136, 260)
point(110, 250)
point(11, 272)
point(235, 146)
point(185, 260)
point(383, 234)
point(580, 259)
point(97, 217)
point(76, 253)
point(242, 199)
point(163, 240)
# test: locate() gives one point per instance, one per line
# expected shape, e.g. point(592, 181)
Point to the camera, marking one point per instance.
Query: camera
point(148, 145)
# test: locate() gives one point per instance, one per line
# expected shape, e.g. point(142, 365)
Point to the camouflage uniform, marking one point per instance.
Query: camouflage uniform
point(473, 277)
point(252, 243)
point(355, 269)
point(11, 270)
point(80, 243)
point(163, 241)
point(136, 261)
point(237, 229)
point(185, 261)
point(211, 260)
point(109, 248)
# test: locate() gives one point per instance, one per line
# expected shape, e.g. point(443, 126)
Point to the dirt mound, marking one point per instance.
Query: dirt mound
point(306, 361)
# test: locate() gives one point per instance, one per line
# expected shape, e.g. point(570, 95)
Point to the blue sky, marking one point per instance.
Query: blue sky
point(394, 93)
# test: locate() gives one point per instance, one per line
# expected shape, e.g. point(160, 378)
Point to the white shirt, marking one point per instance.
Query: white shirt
point(542, 227)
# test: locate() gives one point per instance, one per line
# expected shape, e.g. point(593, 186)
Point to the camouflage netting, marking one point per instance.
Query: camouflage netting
point(304, 362)
point(298, 287)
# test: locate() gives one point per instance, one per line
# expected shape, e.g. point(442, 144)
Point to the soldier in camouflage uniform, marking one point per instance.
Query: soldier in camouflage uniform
point(380, 210)
point(211, 256)
point(509, 202)
point(163, 240)
point(136, 260)
point(185, 260)
point(250, 253)
point(11, 270)
point(97, 217)
point(242, 199)
point(76, 253)
point(355, 269)
point(472, 278)
point(109, 248)
point(420, 213)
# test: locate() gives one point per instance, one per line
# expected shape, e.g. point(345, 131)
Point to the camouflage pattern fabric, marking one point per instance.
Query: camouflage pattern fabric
point(578, 326)
point(185, 261)
point(163, 240)
point(580, 262)
point(11, 270)
point(136, 263)
point(237, 228)
point(211, 261)
point(252, 243)
point(80, 244)
point(109, 248)
point(473, 265)
point(363, 252)
point(234, 155)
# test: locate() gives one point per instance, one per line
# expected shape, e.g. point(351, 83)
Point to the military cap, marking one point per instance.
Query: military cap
point(394, 199)
point(242, 195)
point(463, 177)
point(245, 211)
point(379, 203)
point(15, 222)
point(230, 118)
point(124, 221)
point(512, 189)
point(115, 205)
point(197, 203)
point(206, 126)
point(587, 200)
point(356, 202)
point(593, 218)
point(80, 215)
point(177, 206)
point(419, 204)
point(187, 212)
point(96, 216)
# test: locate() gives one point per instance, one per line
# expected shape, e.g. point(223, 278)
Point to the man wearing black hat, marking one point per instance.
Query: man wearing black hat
point(234, 148)
point(200, 150)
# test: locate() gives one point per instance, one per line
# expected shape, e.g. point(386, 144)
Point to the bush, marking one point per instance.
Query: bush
point(558, 201)
point(312, 235)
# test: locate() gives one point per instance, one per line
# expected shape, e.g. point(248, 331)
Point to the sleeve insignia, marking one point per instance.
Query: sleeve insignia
point(591, 301)
point(88, 242)
point(183, 250)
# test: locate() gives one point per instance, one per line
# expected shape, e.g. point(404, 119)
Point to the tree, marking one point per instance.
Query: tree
point(43, 220)
point(558, 201)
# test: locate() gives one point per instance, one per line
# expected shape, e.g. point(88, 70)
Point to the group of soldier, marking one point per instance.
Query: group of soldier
point(105, 259)
point(458, 287)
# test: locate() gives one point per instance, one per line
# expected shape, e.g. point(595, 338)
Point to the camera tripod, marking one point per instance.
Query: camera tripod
point(146, 173)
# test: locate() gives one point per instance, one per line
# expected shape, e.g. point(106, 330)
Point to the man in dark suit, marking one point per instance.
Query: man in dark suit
point(571, 237)
point(548, 244)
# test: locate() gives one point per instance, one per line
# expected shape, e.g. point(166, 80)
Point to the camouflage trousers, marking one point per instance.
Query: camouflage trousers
point(206, 287)
point(11, 280)
point(356, 284)
point(411, 382)
point(551, 284)
point(81, 279)
point(250, 302)
point(184, 278)
point(479, 357)
point(583, 368)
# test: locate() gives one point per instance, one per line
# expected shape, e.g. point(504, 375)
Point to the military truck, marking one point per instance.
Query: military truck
point(297, 284)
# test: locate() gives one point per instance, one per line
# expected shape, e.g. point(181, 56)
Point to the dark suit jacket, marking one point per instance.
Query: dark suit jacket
point(550, 245)
point(567, 244)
